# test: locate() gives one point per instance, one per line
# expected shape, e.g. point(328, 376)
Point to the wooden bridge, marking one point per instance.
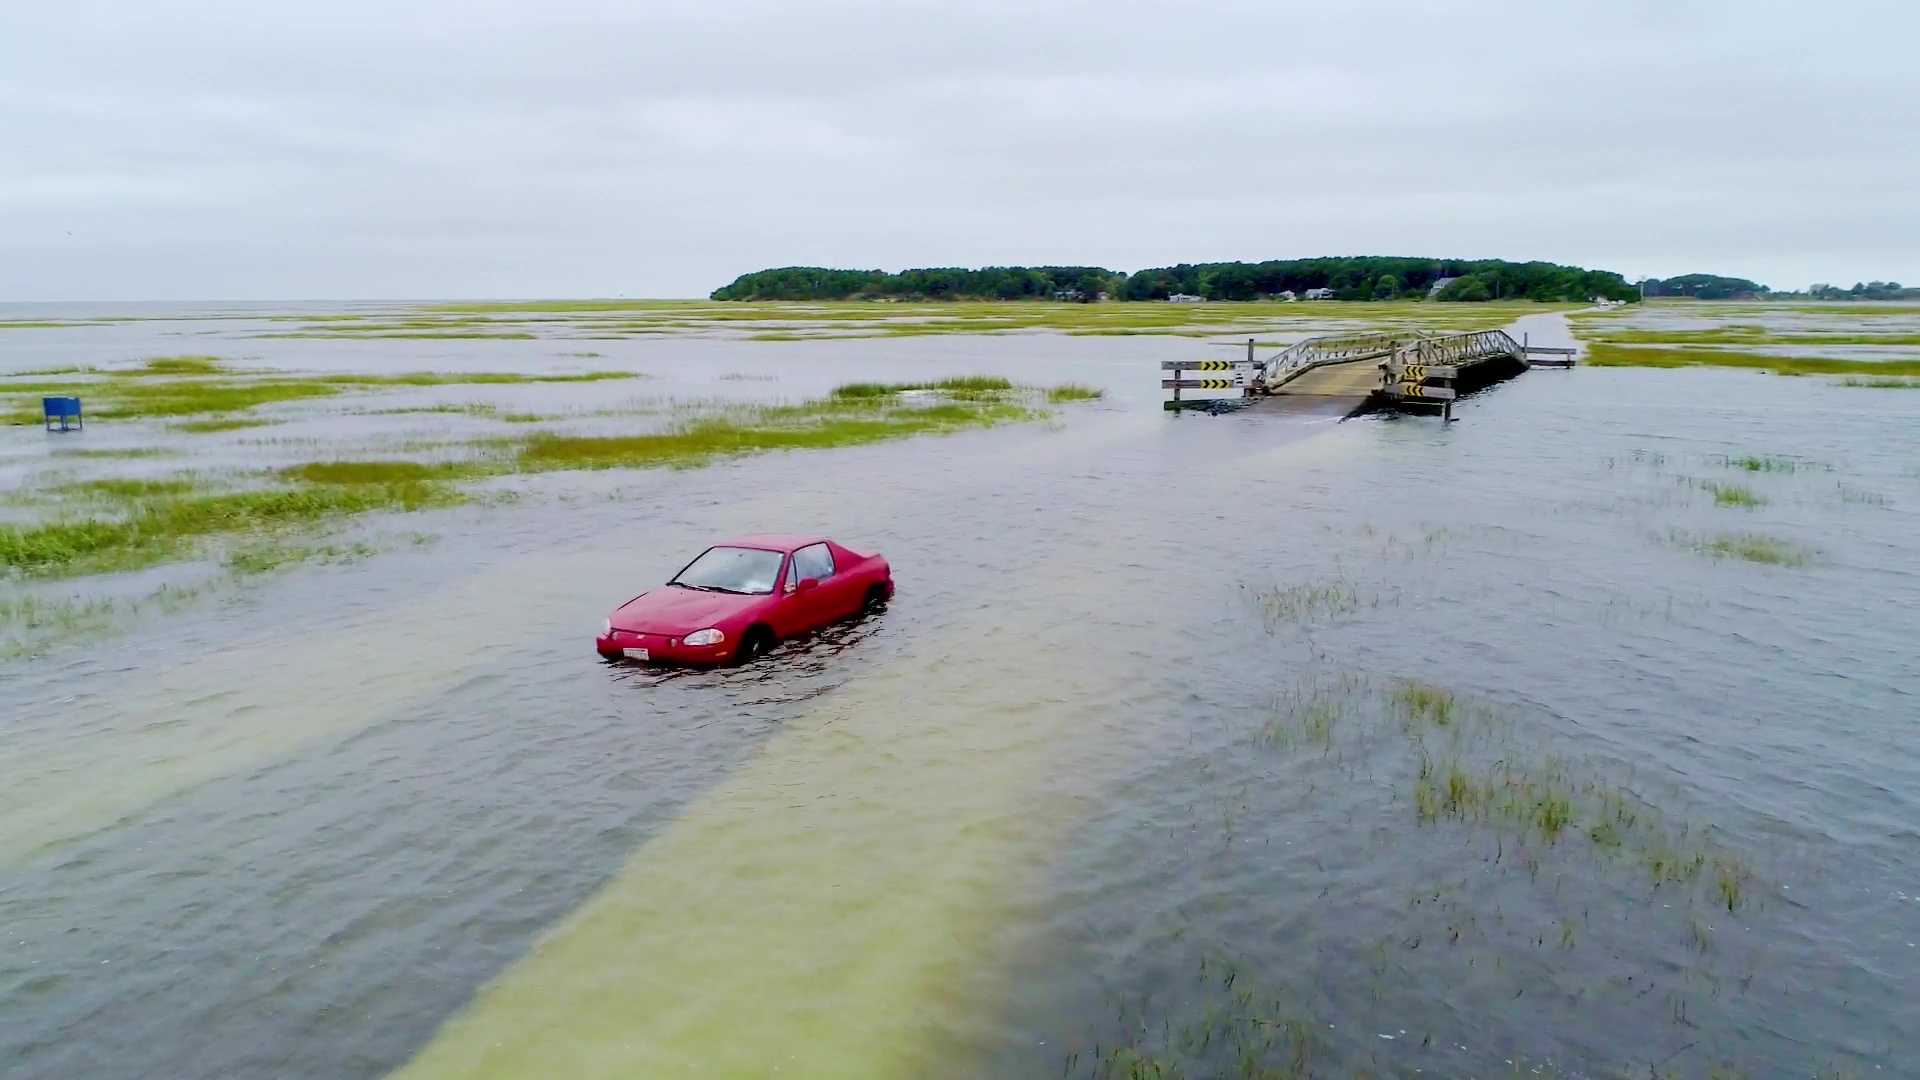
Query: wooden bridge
point(1398, 368)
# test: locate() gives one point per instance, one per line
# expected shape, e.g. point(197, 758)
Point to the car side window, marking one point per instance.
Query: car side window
point(814, 561)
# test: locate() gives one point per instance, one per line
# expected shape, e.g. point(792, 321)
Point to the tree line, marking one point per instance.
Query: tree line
point(1705, 287)
point(1360, 277)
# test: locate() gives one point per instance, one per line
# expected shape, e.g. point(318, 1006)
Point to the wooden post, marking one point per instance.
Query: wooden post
point(1249, 350)
point(1176, 391)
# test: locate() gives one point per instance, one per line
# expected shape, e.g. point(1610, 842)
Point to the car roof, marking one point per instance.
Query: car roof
point(783, 542)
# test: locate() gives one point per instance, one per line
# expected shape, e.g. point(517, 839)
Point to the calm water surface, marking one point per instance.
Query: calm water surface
point(1057, 803)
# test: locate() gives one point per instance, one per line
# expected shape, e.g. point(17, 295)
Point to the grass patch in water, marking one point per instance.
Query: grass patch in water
point(1769, 463)
point(1606, 355)
point(35, 624)
point(68, 369)
point(1734, 495)
point(161, 529)
point(268, 556)
point(1309, 600)
point(124, 452)
point(119, 488)
point(176, 365)
point(704, 440)
point(1880, 383)
point(1423, 703)
point(1748, 547)
point(362, 472)
point(190, 395)
point(1066, 392)
point(958, 385)
point(205, 427)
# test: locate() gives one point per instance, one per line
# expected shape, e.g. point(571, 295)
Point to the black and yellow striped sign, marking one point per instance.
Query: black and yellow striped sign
point(1413, 372)
point(1199, 384)
point(1415, 390)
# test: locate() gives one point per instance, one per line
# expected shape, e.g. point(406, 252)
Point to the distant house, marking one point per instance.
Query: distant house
point(1438, 284)
point(1319, 294)
point(1287, 295)
point(1070, 295)
point(1185, 298)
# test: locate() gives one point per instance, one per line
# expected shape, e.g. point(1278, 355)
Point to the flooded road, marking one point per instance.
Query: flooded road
point(1127, 772)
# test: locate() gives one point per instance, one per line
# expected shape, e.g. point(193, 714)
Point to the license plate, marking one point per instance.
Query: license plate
point(635, 654)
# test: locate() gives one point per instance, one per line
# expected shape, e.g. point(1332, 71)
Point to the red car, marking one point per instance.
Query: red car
point(739, 598)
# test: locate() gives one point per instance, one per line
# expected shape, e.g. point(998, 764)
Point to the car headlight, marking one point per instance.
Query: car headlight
point(606, 628)
point(709, 636)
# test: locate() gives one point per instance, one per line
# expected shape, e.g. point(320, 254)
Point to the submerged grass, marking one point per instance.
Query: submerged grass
point(207, 427)
point(1769, 463)
point(1880, 383)
point(160, 529)
point(200, 389)
point(176, 365)
point(362, 472)
point(1746, 546)
point(1307, 600)
point(957, 385)
point(705, 440)
point(118, 488)
point(1603, 354)
point(1734, 495)
point(1066, 392)
point(162, 519)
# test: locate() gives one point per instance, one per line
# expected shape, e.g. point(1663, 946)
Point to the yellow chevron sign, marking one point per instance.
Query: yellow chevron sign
point(1414, 372)
point(1199, 384)
point(1415, 390)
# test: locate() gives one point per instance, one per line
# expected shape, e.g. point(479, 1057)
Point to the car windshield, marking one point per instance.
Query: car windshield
point(731, 569)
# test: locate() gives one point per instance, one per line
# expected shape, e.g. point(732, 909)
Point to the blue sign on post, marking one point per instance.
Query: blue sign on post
point(64, 409)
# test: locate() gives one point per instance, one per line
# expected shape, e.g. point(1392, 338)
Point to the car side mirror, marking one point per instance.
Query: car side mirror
point(807, 583)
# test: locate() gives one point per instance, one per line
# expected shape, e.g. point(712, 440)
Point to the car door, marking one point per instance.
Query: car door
point(817, 606)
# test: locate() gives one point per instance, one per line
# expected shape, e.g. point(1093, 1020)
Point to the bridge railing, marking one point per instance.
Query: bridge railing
point(1400, 350)
point(1332, 349)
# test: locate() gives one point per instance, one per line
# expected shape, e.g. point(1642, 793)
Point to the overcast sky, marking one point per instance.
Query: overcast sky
point(387, 149)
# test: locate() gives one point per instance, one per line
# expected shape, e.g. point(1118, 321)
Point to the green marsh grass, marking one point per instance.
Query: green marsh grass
point(1067, 392)
point(160, 529)
point(1603, 354)
point(1880, 383)
point(269, 556)
point(362, 472)
point(117, 488)
point(702, 441)
point(123, 452)
point(208, 427)
point(177, 365)
point(1305, 601)
point(1734, 495)
point(33, 625)
point(1748, 547)
point(220, 392)
point(959, 385)
point(1769, 463)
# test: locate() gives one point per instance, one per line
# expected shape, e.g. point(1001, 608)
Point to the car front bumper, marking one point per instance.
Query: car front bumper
point(660, 649)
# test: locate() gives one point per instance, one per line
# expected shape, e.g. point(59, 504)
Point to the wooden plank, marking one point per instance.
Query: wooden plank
point(1423, 393)
point(1202, 384)
point(1417, 372)
point(1206, 365)
point(1553, 351)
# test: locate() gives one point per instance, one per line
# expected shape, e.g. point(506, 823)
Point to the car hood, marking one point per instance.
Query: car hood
point(671, 610)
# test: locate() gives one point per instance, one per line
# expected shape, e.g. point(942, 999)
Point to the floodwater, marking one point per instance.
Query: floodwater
point(1044, 812)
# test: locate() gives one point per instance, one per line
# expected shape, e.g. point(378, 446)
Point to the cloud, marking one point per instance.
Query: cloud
point(352, 149)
